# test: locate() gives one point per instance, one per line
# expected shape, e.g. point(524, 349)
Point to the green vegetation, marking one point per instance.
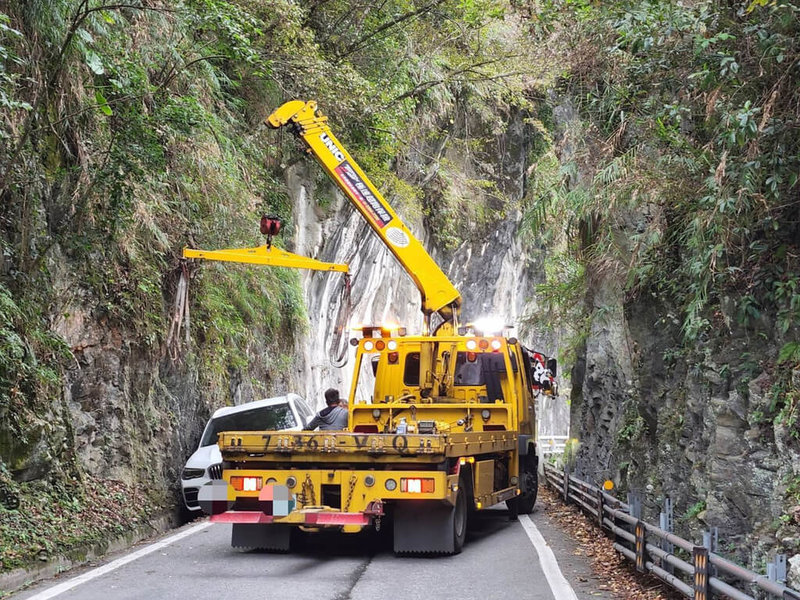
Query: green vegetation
point(683, 177)
point(49, 519)
point(694, 510)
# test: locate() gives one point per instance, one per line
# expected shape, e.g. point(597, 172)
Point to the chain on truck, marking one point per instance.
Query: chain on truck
point(440, 424)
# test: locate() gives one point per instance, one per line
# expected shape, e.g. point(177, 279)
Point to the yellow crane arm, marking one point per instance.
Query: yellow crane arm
point(265, 255)
point(438, 293)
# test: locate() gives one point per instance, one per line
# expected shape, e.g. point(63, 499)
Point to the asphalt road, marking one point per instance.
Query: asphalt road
point(499, 561)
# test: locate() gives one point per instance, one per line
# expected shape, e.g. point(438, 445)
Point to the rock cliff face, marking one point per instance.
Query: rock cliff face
point(496, 274)
point(696, 423)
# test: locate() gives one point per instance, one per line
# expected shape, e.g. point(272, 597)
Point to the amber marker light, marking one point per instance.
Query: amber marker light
point(380, 345)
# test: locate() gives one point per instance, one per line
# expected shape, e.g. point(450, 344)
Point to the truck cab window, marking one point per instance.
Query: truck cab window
point(411, 369)
point(467, 372)
point(365, 386)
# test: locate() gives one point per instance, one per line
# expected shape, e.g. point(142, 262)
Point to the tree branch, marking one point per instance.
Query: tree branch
point(359, 43)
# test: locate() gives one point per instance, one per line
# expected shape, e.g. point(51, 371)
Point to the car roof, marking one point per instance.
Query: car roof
point(229, 410)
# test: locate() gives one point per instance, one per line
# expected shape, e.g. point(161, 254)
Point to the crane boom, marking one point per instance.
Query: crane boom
point(438, 293)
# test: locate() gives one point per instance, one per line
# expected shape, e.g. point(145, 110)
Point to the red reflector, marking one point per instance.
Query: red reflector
point(380, 345)
point(417, 485)
point(471, 356)
point(393, 356)
point(246, 484)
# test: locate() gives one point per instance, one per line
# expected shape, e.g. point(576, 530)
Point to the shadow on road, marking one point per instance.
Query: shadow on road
point(324, 545)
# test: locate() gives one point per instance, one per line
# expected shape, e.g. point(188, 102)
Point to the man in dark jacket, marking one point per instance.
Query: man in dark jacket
point(333, 417)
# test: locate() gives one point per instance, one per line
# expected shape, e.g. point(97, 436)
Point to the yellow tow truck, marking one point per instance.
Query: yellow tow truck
point(440, 424)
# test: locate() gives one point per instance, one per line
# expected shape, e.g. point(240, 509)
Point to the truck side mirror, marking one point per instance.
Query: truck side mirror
point(552, 366)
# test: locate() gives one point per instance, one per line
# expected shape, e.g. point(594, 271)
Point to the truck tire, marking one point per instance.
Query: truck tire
point(460, 513)
point(524, 503)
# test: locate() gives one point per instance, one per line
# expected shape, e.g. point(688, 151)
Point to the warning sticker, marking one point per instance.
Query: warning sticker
point(363, 195)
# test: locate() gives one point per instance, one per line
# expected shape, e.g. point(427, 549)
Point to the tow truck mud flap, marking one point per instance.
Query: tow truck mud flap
point(423, 527)
point(276, 538)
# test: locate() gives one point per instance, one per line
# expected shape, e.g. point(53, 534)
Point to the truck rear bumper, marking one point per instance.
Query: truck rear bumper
point(310, 519)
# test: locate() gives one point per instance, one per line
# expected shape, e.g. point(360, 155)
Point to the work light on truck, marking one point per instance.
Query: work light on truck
point(417, 485)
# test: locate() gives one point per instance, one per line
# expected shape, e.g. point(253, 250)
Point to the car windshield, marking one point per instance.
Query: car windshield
point(264, 418)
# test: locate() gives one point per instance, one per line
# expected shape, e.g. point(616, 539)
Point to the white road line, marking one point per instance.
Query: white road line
point(561, 588)
point(116, 564)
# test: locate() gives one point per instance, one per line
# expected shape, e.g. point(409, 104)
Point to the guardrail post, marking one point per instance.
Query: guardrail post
point(635, 504)
point(566, 483)
point(600, 511)
point(700, 559)
point(711, 539)
point(711, 542)
point(776, 570)
point(666, 522)
point(641, 552)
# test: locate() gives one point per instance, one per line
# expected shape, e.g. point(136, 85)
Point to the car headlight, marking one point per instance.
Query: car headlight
point(193, 473)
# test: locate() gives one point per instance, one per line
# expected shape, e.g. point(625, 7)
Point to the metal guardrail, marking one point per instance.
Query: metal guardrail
point(634, 540)
point(551, 444)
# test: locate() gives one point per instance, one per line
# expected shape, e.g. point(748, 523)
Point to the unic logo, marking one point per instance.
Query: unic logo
point(330, 145)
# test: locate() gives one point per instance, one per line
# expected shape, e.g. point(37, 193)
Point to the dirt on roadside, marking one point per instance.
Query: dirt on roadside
point(617, 574)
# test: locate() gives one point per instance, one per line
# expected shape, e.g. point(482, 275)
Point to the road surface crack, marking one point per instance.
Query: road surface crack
point(354, 579)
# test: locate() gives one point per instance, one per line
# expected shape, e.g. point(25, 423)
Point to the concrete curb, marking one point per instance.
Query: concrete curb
point(17, 579)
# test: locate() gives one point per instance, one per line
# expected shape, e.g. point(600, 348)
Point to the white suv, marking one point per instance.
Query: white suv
point(289, 412)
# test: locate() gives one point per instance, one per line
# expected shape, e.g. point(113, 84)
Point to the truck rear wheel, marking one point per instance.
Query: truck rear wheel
point(460, 520)
point(524, 503)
